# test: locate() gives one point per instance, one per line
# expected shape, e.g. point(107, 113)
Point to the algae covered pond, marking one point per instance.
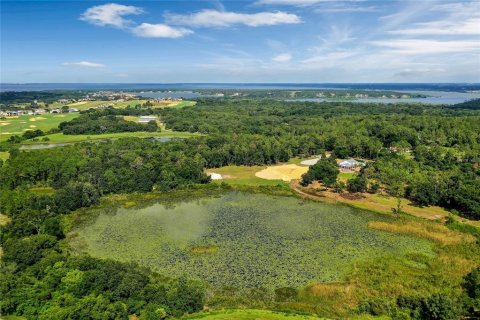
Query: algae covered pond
point(242, 239)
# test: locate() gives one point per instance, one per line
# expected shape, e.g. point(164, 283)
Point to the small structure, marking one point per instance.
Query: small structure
point(215, 176)
point(147, 119)
point(350, 164)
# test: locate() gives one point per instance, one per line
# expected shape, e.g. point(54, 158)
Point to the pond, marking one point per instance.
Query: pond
point(243, 240)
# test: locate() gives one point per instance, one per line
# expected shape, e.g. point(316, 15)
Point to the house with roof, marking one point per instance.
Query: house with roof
point(350, 164)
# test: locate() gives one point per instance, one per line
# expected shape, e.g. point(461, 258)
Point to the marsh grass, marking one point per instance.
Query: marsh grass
point(236, 239)
point(432, 231)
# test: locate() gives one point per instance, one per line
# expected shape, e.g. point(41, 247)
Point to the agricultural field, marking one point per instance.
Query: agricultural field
point(244, 240)
point(18, 125)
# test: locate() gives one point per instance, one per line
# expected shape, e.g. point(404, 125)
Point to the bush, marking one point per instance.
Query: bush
point(357, 184)
point(325, 170)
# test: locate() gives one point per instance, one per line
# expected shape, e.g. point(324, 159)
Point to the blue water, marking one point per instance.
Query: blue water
point(438, 93)
point(433, 97)
point(186, 86)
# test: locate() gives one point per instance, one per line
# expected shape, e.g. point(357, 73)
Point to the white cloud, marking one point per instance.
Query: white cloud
point(299, 3)
point(408, 72)
point(302, 3)
point(148, 30)
point(421, 46)
point(214, 18)
point(85, 64)
point(466, 27)
point(284, 57)
point(110, 14)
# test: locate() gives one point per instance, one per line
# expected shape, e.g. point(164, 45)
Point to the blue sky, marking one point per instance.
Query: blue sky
point(240, 41)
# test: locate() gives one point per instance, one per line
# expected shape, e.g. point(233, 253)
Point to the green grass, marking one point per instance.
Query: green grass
point(263, 241)
point(249, 314)
point(67, 138)
point(43, 190)
point(183, 104)
point(344, 176)
point(17, 126)
point(244, 175)
point(4, 155)
point(12, 318)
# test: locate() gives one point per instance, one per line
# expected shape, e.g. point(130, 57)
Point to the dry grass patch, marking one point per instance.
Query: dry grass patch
point(33, 119)
point(285, 172)
point(435, 232)
point(4, 219)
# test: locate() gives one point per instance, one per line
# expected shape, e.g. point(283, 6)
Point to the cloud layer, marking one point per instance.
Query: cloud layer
point(85, 64)
point(214, 18)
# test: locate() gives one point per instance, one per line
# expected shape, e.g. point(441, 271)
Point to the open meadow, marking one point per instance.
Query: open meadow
point(18, 125)
point(72, 138)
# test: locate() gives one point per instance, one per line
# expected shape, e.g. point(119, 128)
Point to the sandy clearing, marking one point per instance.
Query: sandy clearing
point(285, 172)
point(4, 124)
point(309, 162)
point(32, 126)
point(59, 116)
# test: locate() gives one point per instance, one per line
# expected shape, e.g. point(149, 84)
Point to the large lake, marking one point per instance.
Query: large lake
point(433, 97)
point(242, 239)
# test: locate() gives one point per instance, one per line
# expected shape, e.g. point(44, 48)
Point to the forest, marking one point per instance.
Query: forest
point(40, 279)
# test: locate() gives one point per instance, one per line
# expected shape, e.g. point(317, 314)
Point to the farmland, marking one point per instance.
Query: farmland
point(261, 241)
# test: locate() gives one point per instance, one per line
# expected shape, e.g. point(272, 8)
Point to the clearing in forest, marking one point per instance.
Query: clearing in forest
point(285, 172)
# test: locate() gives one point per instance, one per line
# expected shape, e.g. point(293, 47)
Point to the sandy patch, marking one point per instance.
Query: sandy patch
point(284, 172)
point(23, 122)
point(32, 126)
point(37, 118)
point(59, 116)
point(4, 124)
point(309, 162)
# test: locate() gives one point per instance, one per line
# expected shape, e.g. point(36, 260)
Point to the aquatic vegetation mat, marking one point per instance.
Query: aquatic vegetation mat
point(243, 240)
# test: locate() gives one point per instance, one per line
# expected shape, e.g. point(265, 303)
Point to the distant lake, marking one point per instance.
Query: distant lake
point(433, 97)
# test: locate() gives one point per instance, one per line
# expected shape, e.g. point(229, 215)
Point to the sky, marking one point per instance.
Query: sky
point(283, 41)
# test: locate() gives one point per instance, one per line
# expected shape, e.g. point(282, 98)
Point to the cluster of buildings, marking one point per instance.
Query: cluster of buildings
point(166, 99)
point(33, 112)
point(118, 96)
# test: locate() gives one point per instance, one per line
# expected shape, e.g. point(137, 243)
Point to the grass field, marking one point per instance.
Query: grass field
point(18, 125)
point(243, 175)
point(249, 314)
point(66, 138)
point(4, 155)
point(259, 240)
